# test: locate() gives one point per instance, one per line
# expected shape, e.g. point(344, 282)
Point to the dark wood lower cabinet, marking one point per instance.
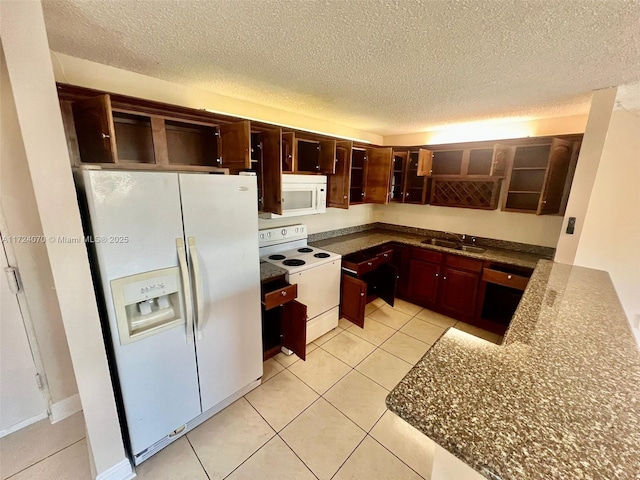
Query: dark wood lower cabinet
point(284, 322)
point(401, 260)
point(424, 279)
point(367, 275)
point(445, 283)
point(459, 293)
point(353, 299)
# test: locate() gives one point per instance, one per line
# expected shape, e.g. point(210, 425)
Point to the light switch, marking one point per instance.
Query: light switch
point(571, 225)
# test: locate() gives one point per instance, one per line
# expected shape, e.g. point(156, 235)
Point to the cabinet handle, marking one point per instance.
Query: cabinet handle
point(509, 277)
point(444, 278)
point(106, 135)
point(362, 294)
point(437, 274)
point(369, 264)
point(385, 255)
point(344, 197)
point(283, 293)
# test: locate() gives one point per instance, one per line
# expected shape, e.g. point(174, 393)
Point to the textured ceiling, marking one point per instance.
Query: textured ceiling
point(380, 66)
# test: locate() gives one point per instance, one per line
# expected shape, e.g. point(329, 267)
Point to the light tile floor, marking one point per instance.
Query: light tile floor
point(324, 418)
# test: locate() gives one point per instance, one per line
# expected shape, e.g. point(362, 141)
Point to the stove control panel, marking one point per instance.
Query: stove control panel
point(272, 236)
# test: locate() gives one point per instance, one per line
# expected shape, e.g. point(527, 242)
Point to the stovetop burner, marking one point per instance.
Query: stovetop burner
point(305, 250)
point(322, 255)
point(293, 262)
point(277, 257)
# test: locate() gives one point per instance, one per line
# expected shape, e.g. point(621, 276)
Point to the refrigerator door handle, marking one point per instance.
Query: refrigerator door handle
point(186, 287)
point(197, 282)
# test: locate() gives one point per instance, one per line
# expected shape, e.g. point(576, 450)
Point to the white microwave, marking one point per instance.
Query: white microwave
point(302, 195)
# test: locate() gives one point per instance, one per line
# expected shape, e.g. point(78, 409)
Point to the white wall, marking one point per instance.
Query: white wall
point(610, 237)
point(515, 227)
point(18, 203)
point(28, 61)
point(333, 219)
point(590, 153)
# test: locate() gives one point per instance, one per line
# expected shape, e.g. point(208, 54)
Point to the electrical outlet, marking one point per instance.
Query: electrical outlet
point(571, 225)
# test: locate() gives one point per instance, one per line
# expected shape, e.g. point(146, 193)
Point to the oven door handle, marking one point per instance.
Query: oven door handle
point(197, 282)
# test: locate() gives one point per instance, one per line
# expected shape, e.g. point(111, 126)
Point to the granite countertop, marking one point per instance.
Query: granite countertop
point(269, 271)
point(354, 242)
point(559, 399)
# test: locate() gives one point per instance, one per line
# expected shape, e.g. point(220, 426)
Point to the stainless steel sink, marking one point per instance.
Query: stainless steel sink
point(453, 245)
point(470, 248)
point(441, 243)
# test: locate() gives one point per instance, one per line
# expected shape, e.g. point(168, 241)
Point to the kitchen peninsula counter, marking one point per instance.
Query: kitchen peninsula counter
point(559, 399)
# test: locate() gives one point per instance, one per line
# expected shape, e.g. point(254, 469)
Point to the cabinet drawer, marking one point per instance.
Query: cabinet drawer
point(507, 279)
point(426, 255)
point(364, 265)
point(385, 256)
point(280, 296)
point(464, 263)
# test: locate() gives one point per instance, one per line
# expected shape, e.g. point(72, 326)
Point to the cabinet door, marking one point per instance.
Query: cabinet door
point(424, 279)
point(338, 184)
point(401, 262)
point(288, 152)
point(387, 281)
point(398, 175)
point(271, 171)
point(235, 145)
point(378, 171)
point(415, 184)
point(425, 162)
point(500, 160)
point(353, 299)
point(294, 328)
point(555, 178)
point(94, 128)
point(459, 292)
point(327, 157)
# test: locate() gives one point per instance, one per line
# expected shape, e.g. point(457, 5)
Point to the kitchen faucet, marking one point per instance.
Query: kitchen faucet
point(461, 238)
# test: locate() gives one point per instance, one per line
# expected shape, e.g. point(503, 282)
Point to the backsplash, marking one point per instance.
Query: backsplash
point(546, 252)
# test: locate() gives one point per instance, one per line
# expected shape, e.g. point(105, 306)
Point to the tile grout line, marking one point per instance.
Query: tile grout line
point(196, 454)
point(399, 459)
point(43, 459)
point(298, 456)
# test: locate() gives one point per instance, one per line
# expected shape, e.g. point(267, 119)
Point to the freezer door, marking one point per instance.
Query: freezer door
point(135, 219)
point(221, 228)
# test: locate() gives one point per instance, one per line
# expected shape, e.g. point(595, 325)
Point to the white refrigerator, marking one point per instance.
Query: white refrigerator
point(176, 260)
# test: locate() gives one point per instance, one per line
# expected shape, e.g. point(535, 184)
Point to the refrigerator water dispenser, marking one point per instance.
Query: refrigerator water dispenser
point(147, 303)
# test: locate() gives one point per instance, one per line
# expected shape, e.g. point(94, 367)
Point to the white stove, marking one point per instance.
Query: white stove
point(315, 271)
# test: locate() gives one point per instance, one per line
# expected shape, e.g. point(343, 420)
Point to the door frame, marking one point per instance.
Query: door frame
point(27, 321)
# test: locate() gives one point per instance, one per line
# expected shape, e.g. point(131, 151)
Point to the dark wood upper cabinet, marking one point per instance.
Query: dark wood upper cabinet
point(270, 174)
point(556, 176)
point(377, 178)
point(327, 157)
point(294, 328)
point(398, 175)
point(235, 145)
point(339, 184)
point(353, 299)
point(93, 120)
point(315, 155)
point(416, 186)
point(538, 177)
point(502, 156)
point(358, 176)
point(288, 151)
point(425, 162)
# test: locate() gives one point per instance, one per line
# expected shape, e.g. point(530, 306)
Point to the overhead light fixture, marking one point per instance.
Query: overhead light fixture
point(499, 129)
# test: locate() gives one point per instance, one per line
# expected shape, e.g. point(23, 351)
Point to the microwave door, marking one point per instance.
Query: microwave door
point(321, 199)
point(299, 200)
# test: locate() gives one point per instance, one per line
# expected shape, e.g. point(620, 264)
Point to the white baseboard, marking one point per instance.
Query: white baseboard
point(120, 471)
point(65, 408)
point(24, 423)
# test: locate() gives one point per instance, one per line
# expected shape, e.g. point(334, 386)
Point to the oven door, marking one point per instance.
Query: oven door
point(299, 199)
